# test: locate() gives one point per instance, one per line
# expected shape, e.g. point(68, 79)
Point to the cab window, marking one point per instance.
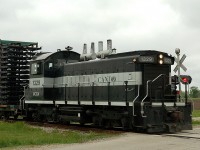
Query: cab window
point(50, 65)
point(36, 68)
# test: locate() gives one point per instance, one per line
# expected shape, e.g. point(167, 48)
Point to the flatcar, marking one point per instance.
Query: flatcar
point(133, 90)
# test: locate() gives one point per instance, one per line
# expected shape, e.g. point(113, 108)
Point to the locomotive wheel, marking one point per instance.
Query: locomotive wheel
point(36, 116)
point(82, 123)
point(54, 117)
point(125, 123)
point(97, 121)
point(62, 121)
point(29, 116)
point(16, 116)
point(107, 123)
point(49, 118)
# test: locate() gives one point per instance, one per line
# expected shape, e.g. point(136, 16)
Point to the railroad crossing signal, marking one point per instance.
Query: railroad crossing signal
point(179, 65)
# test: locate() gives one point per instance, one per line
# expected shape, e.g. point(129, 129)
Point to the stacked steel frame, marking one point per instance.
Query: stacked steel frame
point(14, 69)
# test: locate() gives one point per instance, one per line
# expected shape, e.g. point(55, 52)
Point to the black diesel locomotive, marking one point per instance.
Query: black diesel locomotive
point(132, 90)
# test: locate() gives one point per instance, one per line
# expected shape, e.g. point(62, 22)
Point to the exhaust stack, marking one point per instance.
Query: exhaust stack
point(85, 49)
point(109, 45)
point(100, 45)
point(103, 53)
point(92, 50)
point(88, 56)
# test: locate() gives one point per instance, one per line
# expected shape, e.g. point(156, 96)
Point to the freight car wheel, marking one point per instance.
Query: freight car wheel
point(6, 116)
point(1, 116)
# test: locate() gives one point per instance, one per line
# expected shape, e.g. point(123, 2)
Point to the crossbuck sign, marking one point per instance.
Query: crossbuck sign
point(180, 63)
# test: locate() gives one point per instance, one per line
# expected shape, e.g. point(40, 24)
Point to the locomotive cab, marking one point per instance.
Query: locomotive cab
point(44, 68)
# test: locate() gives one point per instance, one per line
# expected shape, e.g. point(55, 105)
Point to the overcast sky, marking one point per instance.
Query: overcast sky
point(131, 24)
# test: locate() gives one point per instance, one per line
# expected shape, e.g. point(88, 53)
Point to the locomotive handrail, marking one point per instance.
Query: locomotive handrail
point(155, 80)
point(142, 102)
point(147, 93)
point(158, 77)
point(89, 83)
point(135, 100)
point(21, 105)
point(48, 85)
point(53, 84)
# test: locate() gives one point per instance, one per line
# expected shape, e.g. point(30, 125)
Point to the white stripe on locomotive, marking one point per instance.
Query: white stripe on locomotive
point(61, 102)
point(115, 79)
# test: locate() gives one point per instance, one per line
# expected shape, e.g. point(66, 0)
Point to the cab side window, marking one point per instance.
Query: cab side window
point(36, 68)
point(50, 66)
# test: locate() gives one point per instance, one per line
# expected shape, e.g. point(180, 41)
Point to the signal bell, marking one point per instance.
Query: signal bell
point(185, 79)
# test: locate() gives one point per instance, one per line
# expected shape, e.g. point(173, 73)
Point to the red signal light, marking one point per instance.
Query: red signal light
point(185, 80)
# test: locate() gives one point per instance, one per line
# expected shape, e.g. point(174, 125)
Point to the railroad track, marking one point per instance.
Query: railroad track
point(75, 126)
point(185, 135)
point(72, 126)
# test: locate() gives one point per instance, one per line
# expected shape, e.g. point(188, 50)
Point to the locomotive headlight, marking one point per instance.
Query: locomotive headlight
point(160, 56)
point(161, 62)
point(160, 59)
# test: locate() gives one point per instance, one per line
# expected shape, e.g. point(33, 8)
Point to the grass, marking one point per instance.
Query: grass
point(196, 113)
point(20, 134)
point(195, 122)
point(195, 99)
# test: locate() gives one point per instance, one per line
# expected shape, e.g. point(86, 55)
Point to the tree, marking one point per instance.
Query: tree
point(194, 92)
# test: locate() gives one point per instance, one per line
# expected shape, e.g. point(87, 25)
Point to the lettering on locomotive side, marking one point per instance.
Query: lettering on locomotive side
point(36, 93)
point(106, 79)
point(36, 82)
